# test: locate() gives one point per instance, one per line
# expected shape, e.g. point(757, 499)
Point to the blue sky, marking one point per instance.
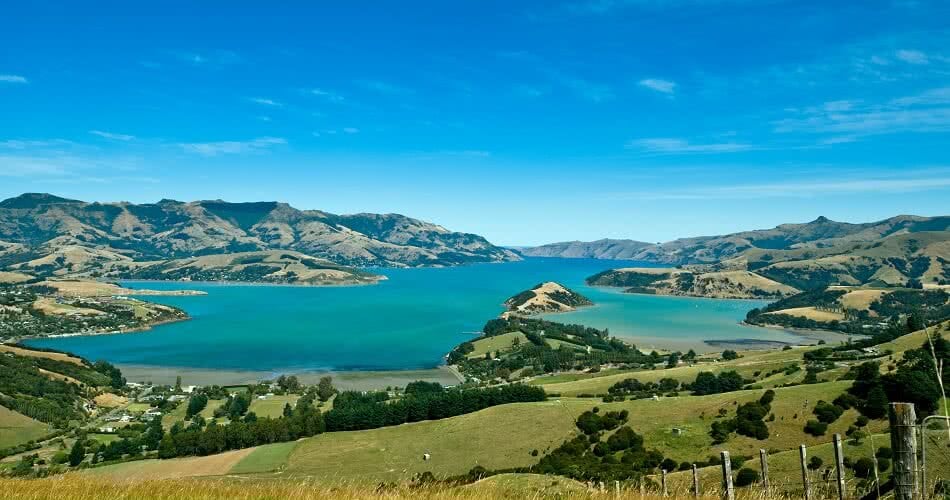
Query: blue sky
point(524, 122)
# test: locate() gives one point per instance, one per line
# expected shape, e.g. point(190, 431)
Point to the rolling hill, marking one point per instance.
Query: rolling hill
point(43, 235)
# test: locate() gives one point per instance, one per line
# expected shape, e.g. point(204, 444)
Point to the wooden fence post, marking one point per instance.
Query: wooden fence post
point(643, 487)
point(663, 480)
point(764, 465)
point(839, 468)
point(903, 421)
point(695, 482)
point(617, 488)
point(806, 484)
point(729, 492)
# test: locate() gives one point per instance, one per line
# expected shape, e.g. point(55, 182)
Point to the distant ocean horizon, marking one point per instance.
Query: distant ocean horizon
point(409, 321)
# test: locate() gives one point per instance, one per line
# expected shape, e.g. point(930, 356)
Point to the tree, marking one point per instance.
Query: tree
point(77, 453)
point(325, 389)
point(746, 476)
point(167, 447)
point(863, 467)
point(816, 428)
point(288, 411)
point(729, 355)
point(178, 383)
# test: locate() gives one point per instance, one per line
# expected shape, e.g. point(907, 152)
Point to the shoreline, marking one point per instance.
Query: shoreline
point(140, 329)
point(357, 380)
point(623, 290)
point(252, 283)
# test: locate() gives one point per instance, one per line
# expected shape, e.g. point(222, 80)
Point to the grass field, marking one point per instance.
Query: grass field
point(58, 356)
point(747, 366)
point(273, 406)
point(509, 486)
point(16, 428)
point(104, 438)
point(141, 470)
point(267, 458)
point(494, 344)
point(456, 444)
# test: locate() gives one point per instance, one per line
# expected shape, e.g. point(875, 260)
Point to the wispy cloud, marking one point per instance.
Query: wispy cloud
point(939, 179)
point(585, 89)
point(928, 111)
point(232, 147)
point(664, 86)
point(383, 87)
point(13, 79)
point(670, 145)
point(209, 58)
point(351, 130)
point(266, 102)
point(112, 136)
point(912, 56)
point(325, 94)
point(34, 143)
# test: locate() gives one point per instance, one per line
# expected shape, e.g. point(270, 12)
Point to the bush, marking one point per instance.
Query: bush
point(814, 463)
point(883, 464)
point(826, 412)
point(816, 428)
point(863, 467)
point(746, 476)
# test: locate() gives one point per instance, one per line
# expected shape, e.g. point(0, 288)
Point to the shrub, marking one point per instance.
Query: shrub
point(816, 428)
point(746, 476)
point(814, 463)
point(863, 467)
point(826, 412)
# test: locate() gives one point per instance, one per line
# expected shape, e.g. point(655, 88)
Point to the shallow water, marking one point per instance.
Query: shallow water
point(409, 321)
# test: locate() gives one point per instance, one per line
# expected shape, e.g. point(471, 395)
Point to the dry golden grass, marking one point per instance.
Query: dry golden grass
point(58, 356)
point(75, 487)
point(110, 400)
point(145, 470)
point(811, 313)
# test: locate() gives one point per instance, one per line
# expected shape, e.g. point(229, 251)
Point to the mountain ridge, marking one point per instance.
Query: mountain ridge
point(36, 225)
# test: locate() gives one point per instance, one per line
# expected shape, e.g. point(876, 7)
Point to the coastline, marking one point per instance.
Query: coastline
point(253, 283)
point(357, 380)
point(143, 328)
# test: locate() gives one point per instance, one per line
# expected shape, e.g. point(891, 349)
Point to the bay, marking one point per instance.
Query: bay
point(409, 321)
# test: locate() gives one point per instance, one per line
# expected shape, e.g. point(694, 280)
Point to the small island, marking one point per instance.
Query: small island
point(545, 297)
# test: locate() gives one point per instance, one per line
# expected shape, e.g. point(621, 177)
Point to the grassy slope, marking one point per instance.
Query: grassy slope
point(273, 406)
point(497, 343)
point(267, 458)
point(456, 444)
point(747, 365)
point(16, 428)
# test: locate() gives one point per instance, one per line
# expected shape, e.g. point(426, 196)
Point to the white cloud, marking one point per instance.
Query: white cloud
point(912, 56)
point(232, 147)
point(670, 145)
point(112, 136)
point(925, 112)
point(266, 102)
point(870, 183)
point(326, 94)
point(383, 87)
point(13, 79)
point(34, 143)
point(351, 130)
point(664, 86)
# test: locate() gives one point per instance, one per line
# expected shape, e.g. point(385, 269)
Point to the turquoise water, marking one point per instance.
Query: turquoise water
point(409, 321)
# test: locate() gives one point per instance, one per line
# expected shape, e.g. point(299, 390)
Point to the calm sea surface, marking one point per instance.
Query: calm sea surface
point(409, 321)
